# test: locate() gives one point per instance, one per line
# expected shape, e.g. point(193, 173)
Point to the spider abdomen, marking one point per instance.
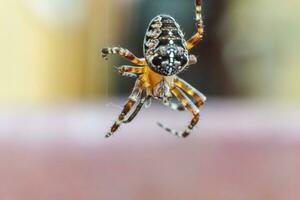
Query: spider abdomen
point(165, 47)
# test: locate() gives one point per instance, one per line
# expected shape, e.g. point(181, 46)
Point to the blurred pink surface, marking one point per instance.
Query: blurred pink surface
point(240, 151)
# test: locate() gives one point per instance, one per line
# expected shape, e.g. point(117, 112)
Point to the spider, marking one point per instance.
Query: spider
point(166, 55)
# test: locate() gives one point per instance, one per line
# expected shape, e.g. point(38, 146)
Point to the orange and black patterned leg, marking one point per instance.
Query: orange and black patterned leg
point(199, 25)
point(125, 53)
point(198, 97)
point(186, 102)
point(133, 98)
point(130, 69)
point(130, 103)
point(138, 108)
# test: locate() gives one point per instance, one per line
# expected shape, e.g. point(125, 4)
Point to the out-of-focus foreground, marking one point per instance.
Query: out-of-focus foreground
point(58, 98)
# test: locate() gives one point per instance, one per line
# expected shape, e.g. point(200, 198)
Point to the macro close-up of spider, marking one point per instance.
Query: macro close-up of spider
point(166, 54)
point(106, 99)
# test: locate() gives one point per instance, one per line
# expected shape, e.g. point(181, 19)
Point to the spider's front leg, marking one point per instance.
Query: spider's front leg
point(130, 71)
point(199, 25)
point(125, 53)
point(191, 107)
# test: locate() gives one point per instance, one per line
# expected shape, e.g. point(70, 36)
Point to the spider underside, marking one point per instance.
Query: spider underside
point(166, 55)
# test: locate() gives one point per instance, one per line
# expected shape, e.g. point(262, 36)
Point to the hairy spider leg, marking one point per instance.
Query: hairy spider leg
point(133, 98)
point(130, 69)
point(130, 103)
point(198, 97)
point(130, 75)
point(199, 25)
point(191, 107)
point(138, 108)
point(125, 53)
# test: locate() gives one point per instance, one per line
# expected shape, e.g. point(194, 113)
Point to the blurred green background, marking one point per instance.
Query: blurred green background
point(50, 49)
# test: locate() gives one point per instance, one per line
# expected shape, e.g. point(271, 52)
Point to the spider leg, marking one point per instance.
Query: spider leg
point(130, 103)
point(191, 107)
point(125, 53)
point(128, 106)
point(138, 108)
point(198, 97)
point(199, 25)
point(130, 75)
point(172, 105)
point(124, 70)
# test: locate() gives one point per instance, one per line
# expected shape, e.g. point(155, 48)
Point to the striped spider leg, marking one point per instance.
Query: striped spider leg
point(144, 98)
point(133, 98)
point(191, 107)
point(197, 96)
point(125, 53)
point(199, 25)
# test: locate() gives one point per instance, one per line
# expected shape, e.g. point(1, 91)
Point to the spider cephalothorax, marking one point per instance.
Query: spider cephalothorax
point(166, 54)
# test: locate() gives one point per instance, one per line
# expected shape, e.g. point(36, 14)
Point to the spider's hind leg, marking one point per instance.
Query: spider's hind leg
point(191, 107)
